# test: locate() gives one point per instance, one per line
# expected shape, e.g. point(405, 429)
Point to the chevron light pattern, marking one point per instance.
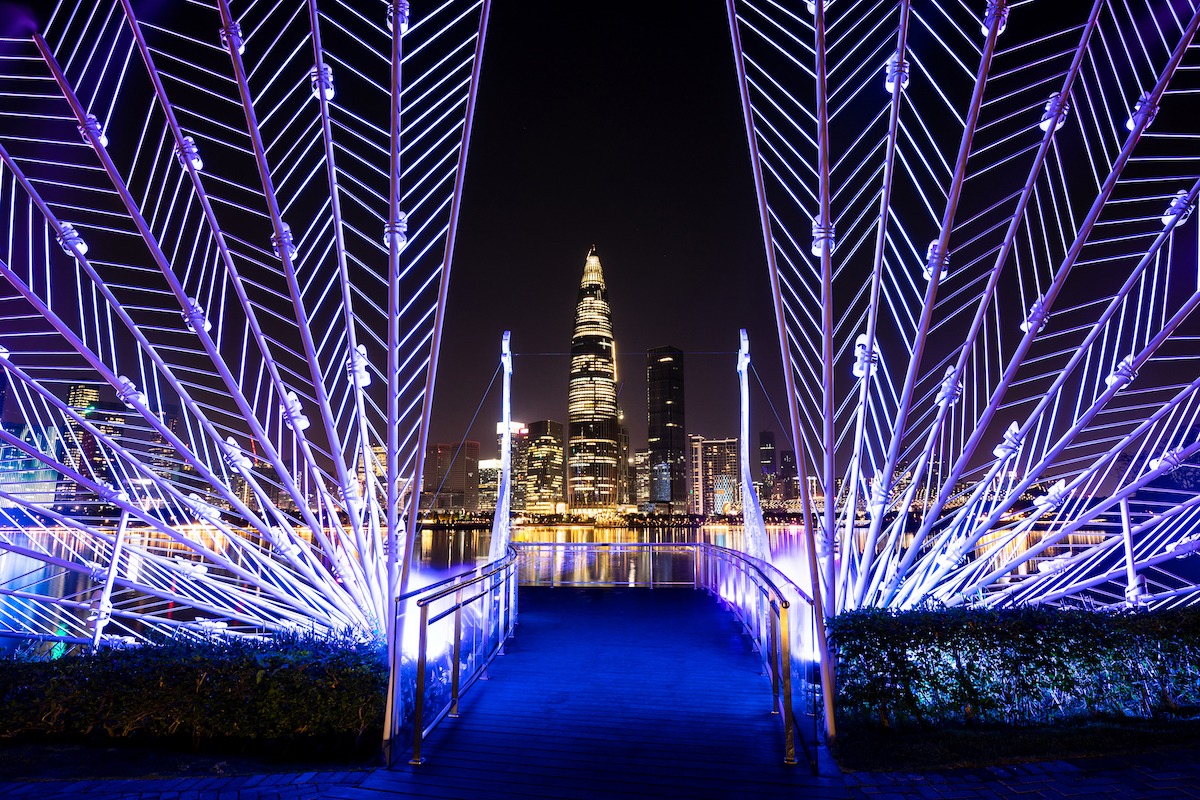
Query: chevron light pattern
point(227, 235)
point(977, 220)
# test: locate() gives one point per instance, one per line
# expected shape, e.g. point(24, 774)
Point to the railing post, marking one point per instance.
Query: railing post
point(695, 566)
point(419, 699)
point(485, 599)
point(768, 654)
point(454, 667)
point(785, 670)
point(497, 594)
point(514, 583)
point(650, 568)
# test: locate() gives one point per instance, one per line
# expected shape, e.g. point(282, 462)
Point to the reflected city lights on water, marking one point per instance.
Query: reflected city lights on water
point(442, 553)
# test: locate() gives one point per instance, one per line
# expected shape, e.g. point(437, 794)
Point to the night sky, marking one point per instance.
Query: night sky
point(595, 126)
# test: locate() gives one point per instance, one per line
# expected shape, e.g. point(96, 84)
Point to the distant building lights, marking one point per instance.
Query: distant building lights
point(895, 73)
point(91, 125)
point(1179, 210)
point(284, 237)
point(233, 36)
point(322, 81)
point(997, 12)
point(71, 242)
point(186, 152)
point(1055, 112)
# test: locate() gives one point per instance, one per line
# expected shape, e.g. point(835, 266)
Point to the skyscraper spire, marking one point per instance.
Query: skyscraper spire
point(592, 448)
point(593, 276)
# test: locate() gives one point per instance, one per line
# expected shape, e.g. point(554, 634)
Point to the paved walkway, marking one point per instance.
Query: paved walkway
point(1155, 776)
point(1141, 777)
point(578, 709)
point(275, 786)
point(612, 692)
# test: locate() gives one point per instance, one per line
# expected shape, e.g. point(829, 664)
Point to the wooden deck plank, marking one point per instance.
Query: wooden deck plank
point(612, 693)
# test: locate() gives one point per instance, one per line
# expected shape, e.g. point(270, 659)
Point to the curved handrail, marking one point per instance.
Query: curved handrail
point(490, 569)
point(420, 590)
point(762, 568)
point(494, 587)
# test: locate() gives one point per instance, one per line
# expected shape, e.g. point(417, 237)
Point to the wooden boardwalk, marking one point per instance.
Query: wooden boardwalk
point(612, 693)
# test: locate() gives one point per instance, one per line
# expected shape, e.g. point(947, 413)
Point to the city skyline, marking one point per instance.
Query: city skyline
point(573, 150)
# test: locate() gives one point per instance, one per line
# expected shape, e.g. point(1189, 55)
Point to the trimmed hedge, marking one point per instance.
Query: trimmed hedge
point(1014, 666)
point(283, 693)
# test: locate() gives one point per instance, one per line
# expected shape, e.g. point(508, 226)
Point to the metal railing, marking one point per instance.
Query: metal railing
point(461, 626)
point(775, 612)
point(462, 622)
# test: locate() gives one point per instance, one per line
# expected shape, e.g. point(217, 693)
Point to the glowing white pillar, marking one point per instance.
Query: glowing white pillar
point(501, 520)
point(752, 519)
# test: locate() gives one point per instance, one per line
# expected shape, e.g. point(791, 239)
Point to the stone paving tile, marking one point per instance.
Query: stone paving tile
point(276, 786)
point(1148, 777)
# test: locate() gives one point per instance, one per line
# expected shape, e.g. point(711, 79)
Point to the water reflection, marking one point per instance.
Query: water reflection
point(441, 553)
point(444, 552)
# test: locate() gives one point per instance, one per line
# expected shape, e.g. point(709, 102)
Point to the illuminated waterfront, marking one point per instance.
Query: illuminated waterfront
point(442, 552)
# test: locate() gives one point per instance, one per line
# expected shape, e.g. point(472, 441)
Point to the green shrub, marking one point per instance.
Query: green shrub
point(281, 693)
point(1013, 666)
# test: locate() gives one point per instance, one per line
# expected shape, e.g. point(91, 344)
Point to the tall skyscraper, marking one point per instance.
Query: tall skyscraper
point(788, 474)
point(665, 434)
point(641, 478)
point(766, 453)
point(716, 483)
point(593, 429)
point(626, 490)
point(519, 454)
point(79, 446)
point(451, 479)
point(23, 477)
point(84, 453)
point(544, 467)
point(489, 484)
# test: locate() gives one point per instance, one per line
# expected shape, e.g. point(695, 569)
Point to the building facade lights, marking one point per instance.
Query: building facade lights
point(593, 425)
